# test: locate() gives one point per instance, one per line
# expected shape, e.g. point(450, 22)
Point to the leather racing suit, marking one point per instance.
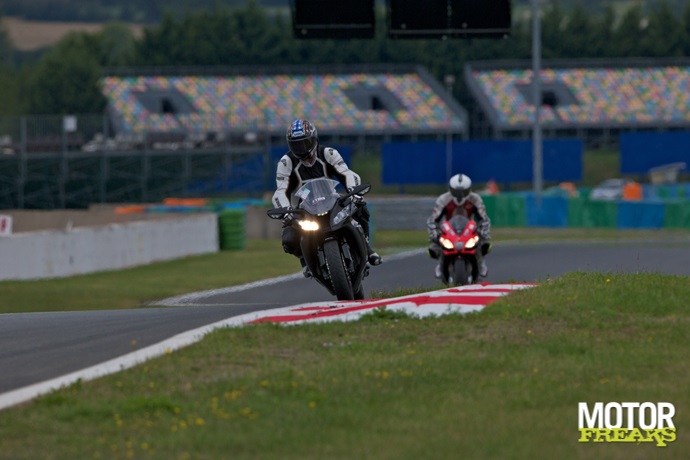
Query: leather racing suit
point(447, 207)
point(291, 173)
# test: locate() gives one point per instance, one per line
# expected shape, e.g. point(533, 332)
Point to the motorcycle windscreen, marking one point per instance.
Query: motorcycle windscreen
point(459, 223)
point(318, 196)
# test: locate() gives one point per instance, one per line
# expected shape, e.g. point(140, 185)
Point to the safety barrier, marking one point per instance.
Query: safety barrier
point(80, 250)
point(522, 209)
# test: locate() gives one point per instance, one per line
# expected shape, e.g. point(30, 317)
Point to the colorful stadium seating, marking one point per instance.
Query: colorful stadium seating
point(617, 96)
point(222, 103)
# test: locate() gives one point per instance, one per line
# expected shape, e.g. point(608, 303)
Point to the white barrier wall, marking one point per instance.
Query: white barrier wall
point(53, 254)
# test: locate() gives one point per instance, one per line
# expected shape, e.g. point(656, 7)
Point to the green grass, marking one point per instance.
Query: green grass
point(503, 383)
point(136, 287)
point(599, 165)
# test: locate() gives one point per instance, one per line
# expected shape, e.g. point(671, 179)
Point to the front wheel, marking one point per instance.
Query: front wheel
point(336, 268)
point(457, 272)
point(463, 272)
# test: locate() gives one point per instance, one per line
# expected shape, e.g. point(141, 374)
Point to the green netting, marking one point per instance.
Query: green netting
point(231, 229)
point(490, 203)
point(576, 211)
point(663, 191)
point(677, 214)
point(506, 210)
point(583, 212)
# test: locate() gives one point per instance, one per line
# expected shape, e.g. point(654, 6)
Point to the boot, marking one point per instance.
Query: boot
point(305, 269)
point(483, 269)
point(374, 258)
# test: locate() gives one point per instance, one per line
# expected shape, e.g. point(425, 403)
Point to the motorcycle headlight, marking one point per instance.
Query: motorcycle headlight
point(342, 215)
point(308, 225)
point(445, 243)
point(472, 242)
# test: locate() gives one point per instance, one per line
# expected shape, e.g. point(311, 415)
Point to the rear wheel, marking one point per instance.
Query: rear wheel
point(336, 268)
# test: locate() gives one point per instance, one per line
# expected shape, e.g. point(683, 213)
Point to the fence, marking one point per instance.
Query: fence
point(78, 179)
point(660, 209)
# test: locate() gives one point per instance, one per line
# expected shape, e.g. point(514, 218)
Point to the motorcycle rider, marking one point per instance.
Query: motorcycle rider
point(308, 159)
point(459, 200)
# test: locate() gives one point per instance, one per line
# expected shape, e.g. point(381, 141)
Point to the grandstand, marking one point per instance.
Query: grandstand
point(370, 101)
point(594, 100)
point(199, 132)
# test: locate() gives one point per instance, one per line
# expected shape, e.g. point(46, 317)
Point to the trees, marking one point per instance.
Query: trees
point(65, 79)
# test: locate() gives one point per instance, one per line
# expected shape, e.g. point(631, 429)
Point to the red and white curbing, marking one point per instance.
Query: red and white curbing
point(464, 299)
point(452, 300)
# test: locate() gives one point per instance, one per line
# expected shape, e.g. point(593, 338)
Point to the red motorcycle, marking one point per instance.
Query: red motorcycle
point(459, 241)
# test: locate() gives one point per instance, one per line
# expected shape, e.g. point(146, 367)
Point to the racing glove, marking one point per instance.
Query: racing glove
point(484, 230)
point(434, 233)
point(358, 200)
point(288, 218)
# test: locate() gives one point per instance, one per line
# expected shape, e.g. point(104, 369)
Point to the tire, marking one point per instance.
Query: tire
point(359, 295)
point(336, 267)
point(463, 272)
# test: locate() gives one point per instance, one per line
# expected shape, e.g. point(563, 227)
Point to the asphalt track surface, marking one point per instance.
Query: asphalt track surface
point(35, 347)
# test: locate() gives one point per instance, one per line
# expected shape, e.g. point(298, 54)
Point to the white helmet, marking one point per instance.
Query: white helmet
point(460, 186)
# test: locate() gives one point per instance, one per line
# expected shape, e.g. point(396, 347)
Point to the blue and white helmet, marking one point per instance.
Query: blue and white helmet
point(460, 187)
point(302, 139)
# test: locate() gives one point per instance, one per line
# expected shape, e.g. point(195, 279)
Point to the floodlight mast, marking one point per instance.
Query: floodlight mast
point(537, 166)
point(449, 80)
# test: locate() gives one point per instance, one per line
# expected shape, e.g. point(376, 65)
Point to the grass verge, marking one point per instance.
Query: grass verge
point(133, 288)
point(502, 383)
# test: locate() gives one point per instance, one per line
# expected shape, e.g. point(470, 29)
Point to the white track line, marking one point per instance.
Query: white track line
point(176, 342)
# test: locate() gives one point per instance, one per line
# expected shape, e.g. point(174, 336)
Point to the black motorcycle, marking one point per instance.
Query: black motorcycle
point(332, 242)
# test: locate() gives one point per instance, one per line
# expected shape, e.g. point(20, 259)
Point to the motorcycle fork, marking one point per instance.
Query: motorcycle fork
point(347, 256)
point(322, 263)
point(349, 262)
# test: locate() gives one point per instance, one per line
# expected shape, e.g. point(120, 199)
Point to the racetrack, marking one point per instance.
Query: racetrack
point(39, 346)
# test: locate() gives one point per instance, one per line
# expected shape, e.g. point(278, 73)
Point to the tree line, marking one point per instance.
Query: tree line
point(64, 79)
point(152, 11)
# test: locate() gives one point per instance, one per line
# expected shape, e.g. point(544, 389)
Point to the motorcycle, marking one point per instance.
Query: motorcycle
point(332, 242)
point(459, 242)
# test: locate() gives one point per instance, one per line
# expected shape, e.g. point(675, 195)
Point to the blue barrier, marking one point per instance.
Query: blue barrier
point(640, 214)
point(663, 192)
point(553, 211)
point(246, 176)
point(642, 151)
point(413, 163)
point(559, 211)
point(503, 161)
